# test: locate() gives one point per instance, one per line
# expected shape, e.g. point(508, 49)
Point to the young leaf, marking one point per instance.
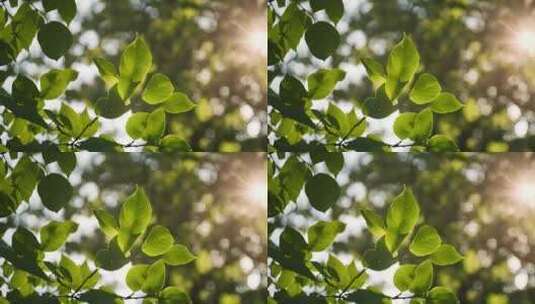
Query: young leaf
point(446, 255)
point(322, 234)
point(136, 276)
point(442, 143)
point(446, 103)
point(425, 90)
point(174, 295)
point(423, 278)
point(376, 72)
point(322, 191)
point(54, 234)
point(136, 212)
point(136, 62)
point(111, 106)
point(178, 103)
point(403, 213)
point(425, 242)
point(178, 255)
point(378, 258)
point(322, 83)
point(107, 71)
point(158, 89)
point(155, 278)
point(374, 222)
point(55, 191)
point(158, 242)
point(55, 39)
point(404, 277)
point(442, 295)
point(107, 223)
point(111, 258)
point(403, 60)
point(322, 39)
point(54, 83)
point(173, 143)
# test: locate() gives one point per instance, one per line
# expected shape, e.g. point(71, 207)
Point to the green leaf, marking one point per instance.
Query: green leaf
point(111, 258)
point(291, 90)
point(441, 143)
point(446, 103)
point(97, 296)
point(446, 255)
point(107, 223)
point(55, 191)
point(394, 238)
point(322, 83)
point(111, 106)
point(54, 83)
point(415, 126)
point(149, 126)
point(403, 62)
point(442, 295)
point(174, 295)
point(404, 277)
point(126, 239)
point(378, 258)
point(322, 191)
point(155, 126)
point(366, 296)
point(24, 243)
point(322, 234)
point(55, 39)
point(136, 212)
point(155, 278)
point(174, 143)
point(403, 213)
point(178, 103)
point(322, 39)
point(178, 255)
point(335, 10)
point(67, 10)
point(374, 222)
point(136, 276)
point(54, 234)
point(339, 271)
point(425, 90)
point(67, 162)
point(378, 106)
point(423, 278)
point(425, 242)
point(376, 72)
point(158, 242)
point(107, 71)
point(136, 62)
point(158, 89)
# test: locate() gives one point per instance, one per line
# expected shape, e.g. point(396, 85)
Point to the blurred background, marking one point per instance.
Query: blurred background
point(484, 204)
point(214, 51)
point(215, 204)
point(481, 50)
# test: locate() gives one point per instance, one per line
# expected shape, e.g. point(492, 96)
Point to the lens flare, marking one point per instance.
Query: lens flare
point(523, 191)
point(256, 191)
point(256, 40)
point(525, 40)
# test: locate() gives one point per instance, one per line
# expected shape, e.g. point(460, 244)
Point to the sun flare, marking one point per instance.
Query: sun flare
point(525, 40)
point(256, 40)
point(524, 192)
